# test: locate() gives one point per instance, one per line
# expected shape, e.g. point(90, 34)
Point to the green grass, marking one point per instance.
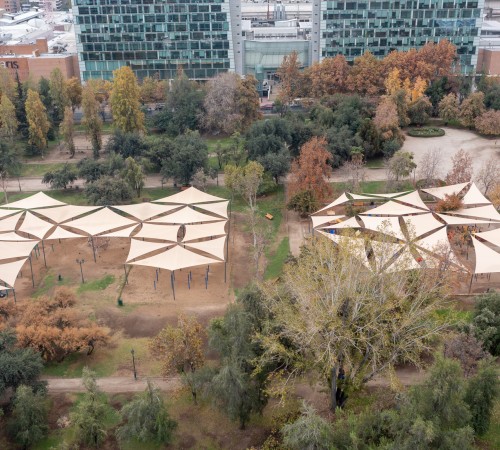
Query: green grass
point(426, 132)
point(375, 163)
point(96, 285)
point(106, 128)
point(49, 282)
point(453, 316)
point(212, 142)
point(277, 259)
point(39, 170)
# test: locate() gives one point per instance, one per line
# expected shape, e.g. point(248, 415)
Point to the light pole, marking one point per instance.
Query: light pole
point(133, 364)
point(81, 261)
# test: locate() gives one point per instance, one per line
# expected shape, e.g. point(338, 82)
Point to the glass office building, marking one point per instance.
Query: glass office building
point(352, 27)
point(156, 37)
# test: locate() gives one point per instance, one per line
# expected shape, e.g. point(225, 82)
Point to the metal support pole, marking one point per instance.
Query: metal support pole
point(32, 277)
point(225, 270)
point(189, 283)
point(93, 247)
point(81, 261)
point(470, 284)
point(14, 292)
point(172, 281)
point(43, 250)
point(125, 270)
point(154, 284)
point(133, 364)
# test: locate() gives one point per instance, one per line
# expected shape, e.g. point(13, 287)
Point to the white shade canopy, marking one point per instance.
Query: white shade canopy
point(185, 215)
point(124, 232)
point(35, 201)
point(145, 211)
point(441, 192)
point(213, 247)
point(10, 223)
point(480, 212)
point(413, 199)
point(204, 230)
point(158, 231)
point(392, 208)
point(219, 208)
point(361, 196)
point(383, 252)
point(16, 249)
point(176, 258)
point(12, 236)
point(386, 225)
point(392, 195)
point(6, 213)
point(321, 220)
point(189, 196)
point(456, 220)
point(349, 223)
point(140, 248)
point(338, 201)
point(99, 222)
point(356, 246)
point(9, 271)
point(421, 224)
point(66, 212)
point(475, 197)
point(35, 226)
point(487, 260)
point(436, 242)
point(492, 236)
point(61, 233)
point(404, 261)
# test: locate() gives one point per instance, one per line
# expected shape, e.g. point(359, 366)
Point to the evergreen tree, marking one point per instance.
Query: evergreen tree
point(37, 121)
point(67, 130)
point(134, 175)
point(58, 94)
point(20, 108)
point(8, 120)
point(91, 119)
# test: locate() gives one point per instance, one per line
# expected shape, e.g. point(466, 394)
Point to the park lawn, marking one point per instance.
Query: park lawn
point(213, 141)
point(375, 163)
point(49, 282)
point(96, 285)
point(276, 259)
point(39, 170)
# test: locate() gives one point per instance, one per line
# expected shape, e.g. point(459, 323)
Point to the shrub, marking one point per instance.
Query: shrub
point(449, 203)
point(426, 132)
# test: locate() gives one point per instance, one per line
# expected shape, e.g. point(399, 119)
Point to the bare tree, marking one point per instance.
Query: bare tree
point(489, 174)
point(429, 168)
point(461, 171)
point(355, 171)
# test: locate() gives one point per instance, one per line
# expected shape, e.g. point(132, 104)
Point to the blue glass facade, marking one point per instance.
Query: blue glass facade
point(353, 27)
point(154, 37)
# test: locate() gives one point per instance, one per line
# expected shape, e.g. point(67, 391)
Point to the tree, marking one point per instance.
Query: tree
point(189, 153)
point(401, 165)
point(17, 365)
point(379, 317)
point(488, 123)
point(387, 120)
point(419, 111)
point(355, 169)
point(495, 195)
point(488, 175)
point(108, 190)
point(126, 144)
point(267, 136)
point(90, 413)
point(309, 431)
point(37, 121)
point(486, 321)
point(10, 165)
point(152, 90)
point(449, 108)
point(370, 139)
point(462, 170)
point(91, 170)
point(147, 418)
point(290, 78)
point(482, 390)
point(20, 102)
point(467, 350)
point(60, 178)
point(311, 170)
point(124, 100)
point(134, 175)
point(8, 120)
point(366, 76)
point(429, 167)
point(471, 107)
point(59, 95)
point(67, 130)
point(329, 76)
point(7, 84)
point(245, 181)
point(28, 424)
point(91, 119)
point(449, 203)
point(247, 98)
point(74, 92)
point(304, 202)
point(276, 164)
point(180, 349)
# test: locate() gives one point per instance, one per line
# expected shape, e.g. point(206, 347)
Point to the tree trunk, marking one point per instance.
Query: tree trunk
point(333, 389)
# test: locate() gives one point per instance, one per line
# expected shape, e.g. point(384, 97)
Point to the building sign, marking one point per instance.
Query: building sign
point(9, 64)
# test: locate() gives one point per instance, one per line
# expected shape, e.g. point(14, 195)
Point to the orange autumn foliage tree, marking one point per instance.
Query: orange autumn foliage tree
point(53, 327)
point(329, 76)
point(366, 77)
point(311, 169)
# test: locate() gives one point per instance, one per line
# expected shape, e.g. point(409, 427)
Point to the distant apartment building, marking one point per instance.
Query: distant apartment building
point(156, 38)
point(351, 28)
point(10, 6)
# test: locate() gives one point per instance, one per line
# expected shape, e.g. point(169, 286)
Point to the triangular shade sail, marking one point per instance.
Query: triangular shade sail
point(16, 249)
point(436, 242)
point(487, 260)
point(413, 199)
point(204, 230)
point(386, 225)
point(492, 236)
point(12, 236)
point(185, 215)
point(61, 233)
point(158, 231)
point(189, 197)
point(100, 222)
point(139, 248)
point(480, 212)
point(213, 247)
point(176, 258)
point(9, 271)
point(383, 252)
point(5, 288)
point(6, 213)
point(35, 226)
point(441, 192)
point(339, 201)
point(349, 223)
point(392, 195)
point(361, 196)
point(219, 208)
point(475, 197)
point(10, 223)
point(321, 220)
point(391, 208)
point(144, 211)
point(124, 232)
point(356, 246)
point(404, 261)
point(421, 224)
point(67, 212)
point(35, 201)
point(455, 220)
